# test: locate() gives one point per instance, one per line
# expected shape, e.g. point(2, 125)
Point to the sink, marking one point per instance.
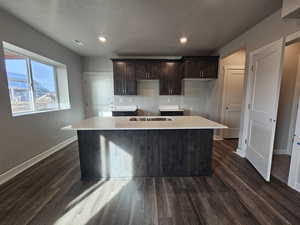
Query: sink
point(151, 119)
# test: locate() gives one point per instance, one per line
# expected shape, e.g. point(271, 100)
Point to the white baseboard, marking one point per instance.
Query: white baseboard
point(25, 165)
point(240, 153)
point(218, 138)
point(281, 152)
point(297, 187)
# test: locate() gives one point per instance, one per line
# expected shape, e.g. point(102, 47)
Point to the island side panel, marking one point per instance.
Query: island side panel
point(134, 153)
point(89, 155)
point(182, 152)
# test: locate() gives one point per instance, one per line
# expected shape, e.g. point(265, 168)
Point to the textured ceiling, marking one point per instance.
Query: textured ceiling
point(142, 27)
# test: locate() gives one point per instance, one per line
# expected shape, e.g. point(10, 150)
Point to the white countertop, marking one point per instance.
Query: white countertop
point(170, 108)
point(131, 108)
point(123, 123)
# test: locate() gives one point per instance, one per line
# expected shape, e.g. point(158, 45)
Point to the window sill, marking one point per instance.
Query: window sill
point(38, 112)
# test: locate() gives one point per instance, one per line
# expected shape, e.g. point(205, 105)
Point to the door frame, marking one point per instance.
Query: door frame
point(292, 180)
point(296, 98)
point(225, 69)
point(295, 161)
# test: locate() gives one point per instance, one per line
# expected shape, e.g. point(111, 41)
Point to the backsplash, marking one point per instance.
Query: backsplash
point(194, 100)
point(98, 86)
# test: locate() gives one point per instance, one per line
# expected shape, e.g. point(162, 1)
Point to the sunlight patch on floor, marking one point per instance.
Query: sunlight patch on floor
point(91, 202)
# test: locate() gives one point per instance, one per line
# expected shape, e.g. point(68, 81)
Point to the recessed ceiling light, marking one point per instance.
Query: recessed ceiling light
point(102, 39)
point(183, 40)
point(77, 42)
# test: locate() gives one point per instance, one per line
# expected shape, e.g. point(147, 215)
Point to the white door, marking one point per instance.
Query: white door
point(294, 175)
point(265, 71)
point(232, 100)
point(98, 92)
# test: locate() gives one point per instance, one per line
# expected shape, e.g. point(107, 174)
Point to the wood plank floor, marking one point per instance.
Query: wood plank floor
point(51, 192)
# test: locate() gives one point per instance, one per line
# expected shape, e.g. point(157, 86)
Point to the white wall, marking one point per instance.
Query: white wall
point(289, 6)
point(270, 29)
point(286, 98)
point(26, 136)
point(197, 94)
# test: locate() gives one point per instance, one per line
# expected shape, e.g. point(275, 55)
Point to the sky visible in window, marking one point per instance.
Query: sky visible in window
point(42, 74)
point(17, 66)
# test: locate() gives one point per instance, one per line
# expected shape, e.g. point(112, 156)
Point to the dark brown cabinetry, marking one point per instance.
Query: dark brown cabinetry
point(201, 67)
point(169, 72)
point(172, 113)
point(147, 70)
point(124, 78)
point(124, 113)
point(170, 78)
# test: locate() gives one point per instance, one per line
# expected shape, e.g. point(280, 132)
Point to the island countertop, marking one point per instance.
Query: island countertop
point(124, 123)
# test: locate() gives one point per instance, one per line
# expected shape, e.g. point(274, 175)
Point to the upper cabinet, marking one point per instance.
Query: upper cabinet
point(169, 72)
point(170, 79)
point(147, 70)
point(124, 78)
point(290, 9)
point(202, 67)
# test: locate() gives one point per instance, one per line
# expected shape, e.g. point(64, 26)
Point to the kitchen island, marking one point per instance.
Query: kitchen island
point(116, 147)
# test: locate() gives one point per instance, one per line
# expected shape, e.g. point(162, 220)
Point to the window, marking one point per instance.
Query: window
point(35, 84)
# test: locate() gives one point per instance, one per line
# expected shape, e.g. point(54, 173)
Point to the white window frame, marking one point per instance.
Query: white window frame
point(30, 56)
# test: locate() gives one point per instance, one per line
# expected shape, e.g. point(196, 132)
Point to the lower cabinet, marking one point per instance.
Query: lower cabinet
point(172, 113)
point(124, 113)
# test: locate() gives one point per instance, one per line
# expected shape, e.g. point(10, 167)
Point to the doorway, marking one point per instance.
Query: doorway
point(287, 113)
point(233, 69)
point(270, 134)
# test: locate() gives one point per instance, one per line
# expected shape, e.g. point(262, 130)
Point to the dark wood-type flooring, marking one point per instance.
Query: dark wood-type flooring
point(51, 192)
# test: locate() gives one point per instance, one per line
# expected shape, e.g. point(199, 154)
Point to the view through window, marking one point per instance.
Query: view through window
point(32, 84)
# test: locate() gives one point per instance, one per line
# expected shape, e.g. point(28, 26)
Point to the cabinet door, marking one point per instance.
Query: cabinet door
point(154, 70)
point(141, 70)
point(201, 67)
point(191, 68)
point(175, 79)
point(130, 85)
point(164, 80)
point(176, 84)
point(170, 82)
point(164, 84)
point(211, 69)
point(119, 74)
